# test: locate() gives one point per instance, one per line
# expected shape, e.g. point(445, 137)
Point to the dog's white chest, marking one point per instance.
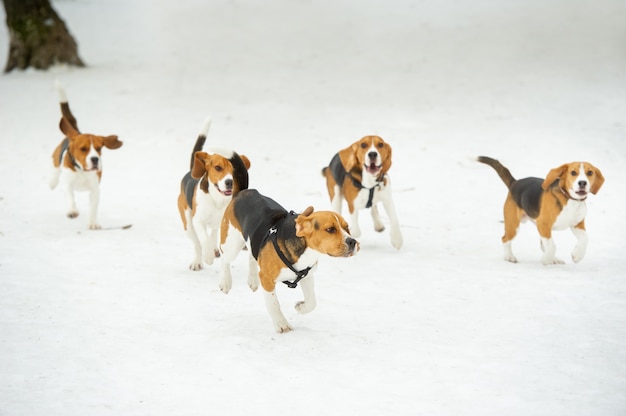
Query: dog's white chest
point(80, 180)
point(573, 213)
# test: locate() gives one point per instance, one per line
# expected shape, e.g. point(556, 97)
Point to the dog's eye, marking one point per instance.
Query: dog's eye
point(331, 230)
point(363, 145)
point(219, 168)
point(573, 173)
point(380, 145)
point(589, 173)
point(84, 149)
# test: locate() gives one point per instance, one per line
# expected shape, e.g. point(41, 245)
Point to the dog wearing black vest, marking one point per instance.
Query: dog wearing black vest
point(283, 247)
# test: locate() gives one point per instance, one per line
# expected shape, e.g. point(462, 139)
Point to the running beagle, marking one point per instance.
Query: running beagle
point(205, 191)
point(77, 162)
point(554, 203)
point(359, 174)
point(283, 246)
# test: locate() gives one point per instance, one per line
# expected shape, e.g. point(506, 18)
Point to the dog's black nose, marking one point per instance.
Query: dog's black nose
point(582, 184)
point(351, 242)
point(95, 160)
point(372, 155)
point(228, 183)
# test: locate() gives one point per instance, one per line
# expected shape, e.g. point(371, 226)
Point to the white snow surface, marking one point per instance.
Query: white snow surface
point(113, 322)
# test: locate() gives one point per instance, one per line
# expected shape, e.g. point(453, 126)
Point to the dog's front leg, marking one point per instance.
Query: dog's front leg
point(94, 200)
point(355, 230)
point(581, 244)
point(308, 291)
point(207, 242)
point(72, 210)
point(273, 307)
point(549, 252)
point(395, 234)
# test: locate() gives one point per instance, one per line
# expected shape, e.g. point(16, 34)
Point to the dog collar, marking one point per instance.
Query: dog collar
point(568, 196)
point(370, 198)
point(301, 274)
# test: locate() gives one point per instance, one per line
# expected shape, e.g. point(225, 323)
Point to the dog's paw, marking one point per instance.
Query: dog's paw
point(195, 267)
point(226, 285)
point(253, 283)
point(379, 228)
point(396, 240)
point(551, 261)
point(282, 327)
point(511, 258)
point(305, 307)
point(72, 214)
point(216, 253)
point(95, 227)
point(577, 255)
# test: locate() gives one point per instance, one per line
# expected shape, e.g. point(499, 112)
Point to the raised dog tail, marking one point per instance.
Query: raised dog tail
point(65, 106)
point(503, 172)
point(200, 140)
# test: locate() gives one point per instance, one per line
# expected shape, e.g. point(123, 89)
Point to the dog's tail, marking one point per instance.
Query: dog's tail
point(65, 106)
point(200, 140)
point(503, 172)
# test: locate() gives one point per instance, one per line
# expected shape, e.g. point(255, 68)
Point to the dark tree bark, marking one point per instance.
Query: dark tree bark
point(38, 36)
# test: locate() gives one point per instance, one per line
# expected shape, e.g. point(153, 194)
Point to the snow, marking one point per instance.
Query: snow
point(114, 323)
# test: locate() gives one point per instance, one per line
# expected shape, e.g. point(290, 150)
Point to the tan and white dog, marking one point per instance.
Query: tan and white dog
point(205, 191)
point(77, 162)
point(554, 203)
point(359, 175)
point(283, 247)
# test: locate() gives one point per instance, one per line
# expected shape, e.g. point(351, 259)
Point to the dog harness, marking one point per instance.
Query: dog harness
point(300, 274)
point(65, 144)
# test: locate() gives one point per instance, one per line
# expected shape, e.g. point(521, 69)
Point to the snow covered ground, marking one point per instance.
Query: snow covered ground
point(114, 323)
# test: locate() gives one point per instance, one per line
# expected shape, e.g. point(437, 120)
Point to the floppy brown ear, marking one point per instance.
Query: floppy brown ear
point(245, 161)
point(67, 128)
point(111, 142)
point(304, 226)
point(348, 157)
point(198, 169)
point(387, 161)
point(598, 180)
point(553, 175)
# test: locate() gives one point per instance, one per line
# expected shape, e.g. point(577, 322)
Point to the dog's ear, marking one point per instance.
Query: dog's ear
point(597, 180)
point(67, 128)
point(198, 169)
point(553, 175)
point(245, 161)
point(304, 225)
point(387, 160)
point(348, 157)
point(111, 142)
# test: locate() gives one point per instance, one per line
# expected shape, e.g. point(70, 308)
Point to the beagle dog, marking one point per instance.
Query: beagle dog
point(77, 162)
point(205, 191)
point(554, 203)
point(285, 247)
point(359, 174)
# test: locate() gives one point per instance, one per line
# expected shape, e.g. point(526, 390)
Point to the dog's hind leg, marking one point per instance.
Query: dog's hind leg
point(253, 272)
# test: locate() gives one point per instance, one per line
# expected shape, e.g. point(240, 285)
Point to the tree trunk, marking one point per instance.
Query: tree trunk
point(38, 36)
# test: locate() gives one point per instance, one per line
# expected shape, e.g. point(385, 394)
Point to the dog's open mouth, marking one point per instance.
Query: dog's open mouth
point(581, 193)
point(226, 192)
point(373, 168)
